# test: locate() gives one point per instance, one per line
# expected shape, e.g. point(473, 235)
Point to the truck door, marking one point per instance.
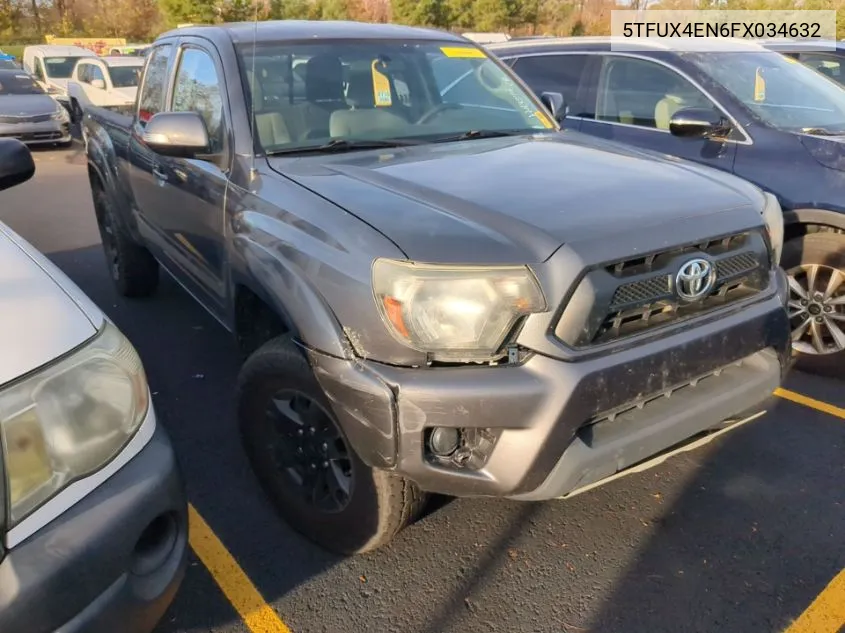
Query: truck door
point(193, 215)
point(146, 178)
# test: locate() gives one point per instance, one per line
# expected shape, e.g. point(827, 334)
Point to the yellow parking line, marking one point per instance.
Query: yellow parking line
point(818, 405)
point(235, 584)
point(827, 613)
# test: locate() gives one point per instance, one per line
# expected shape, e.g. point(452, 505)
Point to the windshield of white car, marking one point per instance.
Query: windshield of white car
point(781, 91)
point(309, 94)
point(125, 76)
point(59, 67)
point(18, 84)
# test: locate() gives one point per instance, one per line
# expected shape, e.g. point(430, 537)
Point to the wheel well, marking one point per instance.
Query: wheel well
point(255, 321)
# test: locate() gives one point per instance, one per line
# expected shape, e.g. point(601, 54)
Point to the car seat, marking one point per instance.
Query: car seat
point(364, 117)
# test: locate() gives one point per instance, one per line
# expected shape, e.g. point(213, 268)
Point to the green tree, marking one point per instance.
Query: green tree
point(330, 10)
point(196, 11)
point(421, 12)
point(290, 9)
point(237, 10)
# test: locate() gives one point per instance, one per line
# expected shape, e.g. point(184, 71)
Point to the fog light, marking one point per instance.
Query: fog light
point(443, 441)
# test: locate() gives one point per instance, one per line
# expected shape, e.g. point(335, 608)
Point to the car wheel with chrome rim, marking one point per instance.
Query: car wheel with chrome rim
point(815, 265)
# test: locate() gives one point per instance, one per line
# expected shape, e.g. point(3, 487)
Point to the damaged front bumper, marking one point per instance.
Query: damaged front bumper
point(549, 428)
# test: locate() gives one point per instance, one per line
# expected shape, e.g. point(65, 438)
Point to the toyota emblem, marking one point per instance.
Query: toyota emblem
point(695, 279)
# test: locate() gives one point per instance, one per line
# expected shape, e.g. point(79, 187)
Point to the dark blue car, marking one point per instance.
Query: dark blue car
point(753, 112)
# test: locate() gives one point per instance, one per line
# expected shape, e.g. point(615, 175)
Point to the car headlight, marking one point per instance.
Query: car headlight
point(61, 115)
point(69, 420)
point(773, 217)
point(454, 312)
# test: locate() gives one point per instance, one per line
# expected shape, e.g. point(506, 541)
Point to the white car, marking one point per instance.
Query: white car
point(104, 82)
point(52, 66)
point(93, 514)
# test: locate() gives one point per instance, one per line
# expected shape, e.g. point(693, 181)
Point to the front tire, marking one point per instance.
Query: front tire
point(815, 264)
point(133, 269)
point(306, 465)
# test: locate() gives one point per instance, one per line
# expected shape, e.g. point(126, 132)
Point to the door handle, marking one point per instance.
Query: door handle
point(160, 175)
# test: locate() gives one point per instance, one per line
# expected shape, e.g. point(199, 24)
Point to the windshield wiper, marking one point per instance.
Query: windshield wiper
point(820, 131)
point(343, 145)
point(473, 134)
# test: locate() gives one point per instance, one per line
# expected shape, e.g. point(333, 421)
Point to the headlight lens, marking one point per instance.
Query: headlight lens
point(773, 217)
point(69, 420)
point(61, 114)
point(454, 312)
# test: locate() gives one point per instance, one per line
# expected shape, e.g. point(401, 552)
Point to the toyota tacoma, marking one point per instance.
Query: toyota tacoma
point(433, 296)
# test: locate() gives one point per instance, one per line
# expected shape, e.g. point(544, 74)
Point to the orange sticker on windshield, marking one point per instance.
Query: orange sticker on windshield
point(463, 52)
point(759, 86)
point(381, 87)
point(545, 120)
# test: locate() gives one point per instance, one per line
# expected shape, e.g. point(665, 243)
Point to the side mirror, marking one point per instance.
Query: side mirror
point(556, 105)
point(16, 164)
point(178, 134)
point(98, 83)
point(699, 123)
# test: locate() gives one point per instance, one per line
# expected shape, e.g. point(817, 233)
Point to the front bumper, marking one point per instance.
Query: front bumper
point(41, 133)
point(561, 426)
point(113, 562)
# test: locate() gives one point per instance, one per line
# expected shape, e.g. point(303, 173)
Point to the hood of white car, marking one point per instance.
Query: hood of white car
point(43, 314)
point(58, 83)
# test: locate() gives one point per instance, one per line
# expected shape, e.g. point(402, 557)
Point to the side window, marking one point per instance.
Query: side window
point(197, 89)
point(154, 88)
point(95, 72)
point(828, 65)
point(643, 93)
point(82, 73)
point(39, 69)
point(555, 73)
point(457, 83)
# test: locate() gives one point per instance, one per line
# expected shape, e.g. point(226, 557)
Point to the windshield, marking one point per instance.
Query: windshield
point(18, 84)
point(125, 76)
point(59, 67)
point(781, 91)
point(306, 95)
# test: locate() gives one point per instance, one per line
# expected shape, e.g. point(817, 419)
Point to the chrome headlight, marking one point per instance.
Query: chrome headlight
point(773, 217)
point(454, 312)
point(69, 420)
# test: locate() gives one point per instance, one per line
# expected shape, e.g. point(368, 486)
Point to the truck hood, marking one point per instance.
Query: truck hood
point(514, 199)
point(27, 105)
point(43, 315)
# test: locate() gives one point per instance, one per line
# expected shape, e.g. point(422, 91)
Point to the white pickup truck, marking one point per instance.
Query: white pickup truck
point(104, 82)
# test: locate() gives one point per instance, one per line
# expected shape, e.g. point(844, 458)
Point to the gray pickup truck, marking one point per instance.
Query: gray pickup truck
point(433, 296)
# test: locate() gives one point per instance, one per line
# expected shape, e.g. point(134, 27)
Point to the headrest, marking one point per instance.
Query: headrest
point(359, 93)
point(324, 78)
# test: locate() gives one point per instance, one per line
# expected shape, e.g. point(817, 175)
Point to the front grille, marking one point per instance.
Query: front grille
point(37, 118)
point(635, 295)
point(36, 136)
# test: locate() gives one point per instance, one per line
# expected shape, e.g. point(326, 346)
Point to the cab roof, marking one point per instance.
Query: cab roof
point(276, 30)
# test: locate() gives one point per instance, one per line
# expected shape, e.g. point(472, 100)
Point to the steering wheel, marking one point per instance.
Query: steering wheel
point(432, 112)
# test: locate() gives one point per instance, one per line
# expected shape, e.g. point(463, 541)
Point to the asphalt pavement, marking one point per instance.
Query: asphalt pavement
point(739, 536)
